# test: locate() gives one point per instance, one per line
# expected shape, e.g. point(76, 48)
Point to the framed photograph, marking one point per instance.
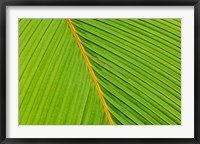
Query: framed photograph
point(96, 71)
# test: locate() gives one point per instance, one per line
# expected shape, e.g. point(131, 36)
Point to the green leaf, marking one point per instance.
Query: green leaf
point(137, 63)
point(138, 66)
point(55, 85)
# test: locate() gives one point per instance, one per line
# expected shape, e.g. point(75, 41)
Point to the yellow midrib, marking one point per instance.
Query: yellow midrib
point(90, 70)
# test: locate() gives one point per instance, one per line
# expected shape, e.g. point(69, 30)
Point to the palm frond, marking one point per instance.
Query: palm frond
point(138, 70)
point(84, 70)
point(55, 84)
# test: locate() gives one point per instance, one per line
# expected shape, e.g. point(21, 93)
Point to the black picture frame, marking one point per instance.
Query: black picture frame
point(5, 3)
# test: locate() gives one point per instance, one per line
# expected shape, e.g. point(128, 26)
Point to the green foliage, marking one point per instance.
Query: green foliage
point(137, 63)
point(55, 84)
